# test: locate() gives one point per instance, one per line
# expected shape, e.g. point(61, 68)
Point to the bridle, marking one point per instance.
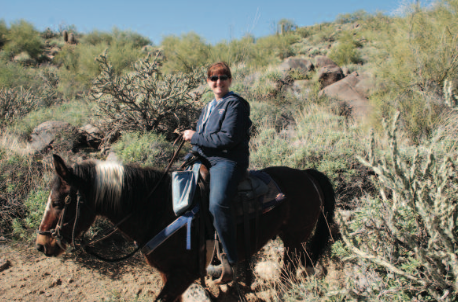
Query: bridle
point(56, 232)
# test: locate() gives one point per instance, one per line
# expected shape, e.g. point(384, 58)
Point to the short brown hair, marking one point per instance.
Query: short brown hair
point(219, 68)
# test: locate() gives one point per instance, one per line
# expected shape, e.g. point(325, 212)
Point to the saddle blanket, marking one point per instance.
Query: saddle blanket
point(258, 193)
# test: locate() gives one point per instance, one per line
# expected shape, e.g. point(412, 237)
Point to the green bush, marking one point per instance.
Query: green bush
point(14, 75)
point(15, 103)
point(3, 33)
point(23, 37)
point(19, 174)
point(79, 67)
point(121, 37)
point(145, 149)
point(35, 205)
point(185, 53)
point(359, 15)
point(77, 113)
point(346, 52)
point(234, 52)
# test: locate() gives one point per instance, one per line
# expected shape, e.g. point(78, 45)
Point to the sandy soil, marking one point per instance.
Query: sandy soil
point(27, 275)
point(32, 276)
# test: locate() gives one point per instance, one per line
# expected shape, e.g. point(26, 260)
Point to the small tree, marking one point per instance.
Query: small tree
point(146, 99)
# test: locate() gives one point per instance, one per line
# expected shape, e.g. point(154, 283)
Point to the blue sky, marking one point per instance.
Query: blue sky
point(212, 20)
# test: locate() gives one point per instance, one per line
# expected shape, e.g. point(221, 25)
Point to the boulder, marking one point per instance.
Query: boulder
point(323, 61)
point(366, 84)
point(344, 90)
point(54, 134)
point(345, 71)
point(329, 75)
point(302, 65)
point(92, 135)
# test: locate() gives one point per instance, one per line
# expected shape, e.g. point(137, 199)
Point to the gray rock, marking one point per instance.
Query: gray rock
point(344, 90)
point(323, 61)
point(51, 134)
point(92, 135)
point(302, 65)
point(329, 75)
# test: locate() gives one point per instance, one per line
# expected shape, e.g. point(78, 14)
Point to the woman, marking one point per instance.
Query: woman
point(222, 137)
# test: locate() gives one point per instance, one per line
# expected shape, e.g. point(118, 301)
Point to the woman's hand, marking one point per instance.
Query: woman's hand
point(187, 135)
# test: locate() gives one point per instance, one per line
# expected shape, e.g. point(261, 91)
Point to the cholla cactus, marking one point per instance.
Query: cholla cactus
point(146, 99)
point(451, 98)
point(410, 230)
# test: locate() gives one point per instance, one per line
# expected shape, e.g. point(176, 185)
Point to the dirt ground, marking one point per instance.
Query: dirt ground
point(31, 276)
point(27, 275)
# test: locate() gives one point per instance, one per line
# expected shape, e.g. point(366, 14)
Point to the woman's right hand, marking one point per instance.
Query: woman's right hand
point(187, 135)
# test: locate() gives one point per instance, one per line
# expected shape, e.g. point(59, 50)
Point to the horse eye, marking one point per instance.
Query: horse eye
point(57, 205)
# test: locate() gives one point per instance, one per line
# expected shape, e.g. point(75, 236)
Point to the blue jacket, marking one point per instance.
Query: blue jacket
point(226, 132)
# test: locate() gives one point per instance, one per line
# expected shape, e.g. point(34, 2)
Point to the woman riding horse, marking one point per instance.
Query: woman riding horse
point(222, 138)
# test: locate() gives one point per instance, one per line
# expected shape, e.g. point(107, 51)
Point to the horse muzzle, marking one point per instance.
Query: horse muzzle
point(51, 247)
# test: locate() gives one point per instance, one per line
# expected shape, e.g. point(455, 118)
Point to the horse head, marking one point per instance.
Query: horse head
point(63, 220)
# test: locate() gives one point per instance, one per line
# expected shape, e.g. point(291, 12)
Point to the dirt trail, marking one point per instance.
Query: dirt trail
point(32, 276)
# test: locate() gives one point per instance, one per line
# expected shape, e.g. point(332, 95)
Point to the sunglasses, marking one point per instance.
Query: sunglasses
point(221, 77)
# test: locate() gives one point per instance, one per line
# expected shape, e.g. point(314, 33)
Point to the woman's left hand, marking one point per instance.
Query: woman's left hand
point(187, 135)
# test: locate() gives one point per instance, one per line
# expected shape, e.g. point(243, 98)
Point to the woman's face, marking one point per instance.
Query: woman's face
point(220, 87)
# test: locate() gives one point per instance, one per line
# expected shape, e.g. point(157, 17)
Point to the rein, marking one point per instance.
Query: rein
point(56, 233)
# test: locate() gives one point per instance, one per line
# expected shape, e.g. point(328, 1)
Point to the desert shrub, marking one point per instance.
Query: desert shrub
point(273, 49)
point(145, 149)
point(359, 15)
point(346, 51)
point(15, 103)
point(420, 49)
point(421, 112)
point(234, 51)
point(96, 37)
point(408, 231)
point(19, 174)
point(185, 53)
point(127, 37)
point(79, 67)
point(121, 37)
point(145, 99)
point(23, 37)
point(14, 75)
point(24, 228)
point(77, 113)
point(317, 139)
point(3, 32)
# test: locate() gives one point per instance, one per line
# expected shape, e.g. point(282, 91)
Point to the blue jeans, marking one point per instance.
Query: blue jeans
point(224, 179)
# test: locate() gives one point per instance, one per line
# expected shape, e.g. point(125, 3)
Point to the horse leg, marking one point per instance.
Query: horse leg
point(293, 256)
point(176, 283)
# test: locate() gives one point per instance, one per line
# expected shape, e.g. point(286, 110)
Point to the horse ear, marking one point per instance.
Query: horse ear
point(60, 167)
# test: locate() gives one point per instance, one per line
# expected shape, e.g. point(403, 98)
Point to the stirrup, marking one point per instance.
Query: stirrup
point(223, 273)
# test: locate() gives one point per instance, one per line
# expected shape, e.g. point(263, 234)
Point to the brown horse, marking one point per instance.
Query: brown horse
point(116, 191)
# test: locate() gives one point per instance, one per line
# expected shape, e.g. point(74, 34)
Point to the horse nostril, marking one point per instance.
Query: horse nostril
point(40, 247)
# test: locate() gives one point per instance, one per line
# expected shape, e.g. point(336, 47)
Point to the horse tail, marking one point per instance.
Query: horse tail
point(320, 238)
